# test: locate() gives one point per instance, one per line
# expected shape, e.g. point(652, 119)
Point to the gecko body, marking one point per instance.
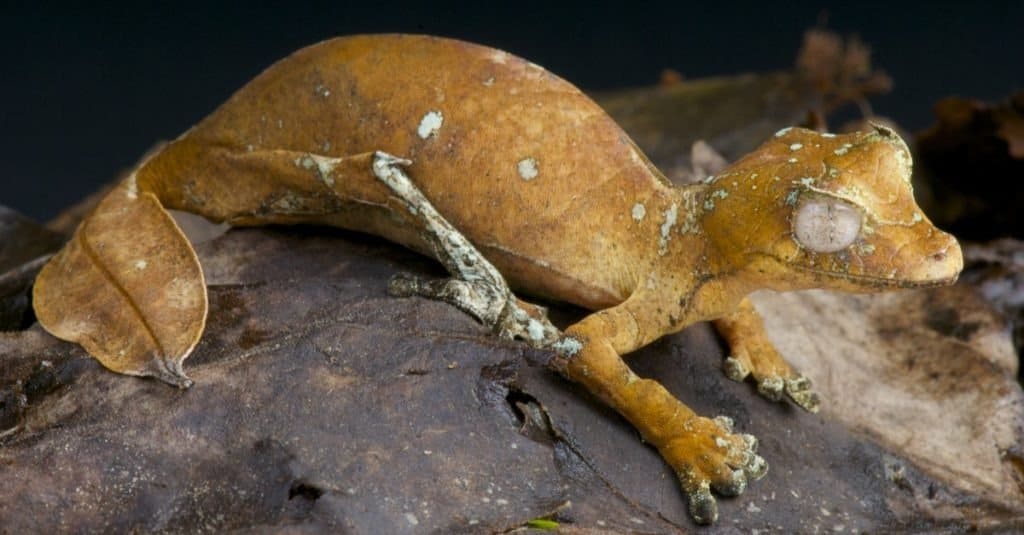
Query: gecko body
point(537, 178)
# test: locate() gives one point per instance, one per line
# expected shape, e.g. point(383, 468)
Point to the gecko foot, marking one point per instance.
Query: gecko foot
point(775, 380)
point(476, 286)
point(708, 457)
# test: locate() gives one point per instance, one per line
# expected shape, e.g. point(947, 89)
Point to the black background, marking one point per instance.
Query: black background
point(85, 90)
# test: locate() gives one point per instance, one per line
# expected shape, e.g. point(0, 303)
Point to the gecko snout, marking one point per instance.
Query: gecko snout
point(940, 262)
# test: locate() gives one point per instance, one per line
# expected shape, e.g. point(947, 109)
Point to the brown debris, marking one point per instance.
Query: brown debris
point(840, 69)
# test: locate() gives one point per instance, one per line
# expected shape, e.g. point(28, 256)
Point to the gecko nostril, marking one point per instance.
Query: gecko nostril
point(938, 257)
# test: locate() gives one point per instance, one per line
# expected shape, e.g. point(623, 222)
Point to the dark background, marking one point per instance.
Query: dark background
point(86, 90)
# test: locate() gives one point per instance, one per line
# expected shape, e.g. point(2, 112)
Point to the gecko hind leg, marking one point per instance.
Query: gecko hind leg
point(476, 286)
point(754, 356)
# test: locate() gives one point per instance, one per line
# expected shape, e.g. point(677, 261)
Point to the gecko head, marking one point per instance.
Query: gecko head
point(810, 210)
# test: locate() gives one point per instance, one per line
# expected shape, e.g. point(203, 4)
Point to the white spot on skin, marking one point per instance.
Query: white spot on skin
point(666, 228)
point(527, 168)
point(796, 146)
point(828, 134)
point(411, 519)
point(639, 211)
point(141, 264)
point(489, 82)
point(783, 132)
point(793, 160)
point(843, 150)
point(916, 218)
point(430, 124)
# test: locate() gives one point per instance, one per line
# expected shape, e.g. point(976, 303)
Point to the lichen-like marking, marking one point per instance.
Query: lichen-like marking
point(666, 228)
point(691, 215)
point(430, 124)
point(324, 166)
point(567, 346)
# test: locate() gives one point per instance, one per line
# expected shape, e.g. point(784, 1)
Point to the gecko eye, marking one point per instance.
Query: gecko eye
point(826, 225)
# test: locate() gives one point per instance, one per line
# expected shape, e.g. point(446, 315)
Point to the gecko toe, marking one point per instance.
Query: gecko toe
point(799, 390)
point(756, 467)
point(725, 423)
point(703, 507)
point(735, 369)
point(750, 441)
point(403, 285)
point(771, 387)
point(733, 484)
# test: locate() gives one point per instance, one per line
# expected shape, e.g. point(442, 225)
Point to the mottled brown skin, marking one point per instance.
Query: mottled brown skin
point(598, 226)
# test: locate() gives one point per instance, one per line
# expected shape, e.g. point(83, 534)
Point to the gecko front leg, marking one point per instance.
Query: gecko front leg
point(476, 286)
point(704, 452)
point(753, 355)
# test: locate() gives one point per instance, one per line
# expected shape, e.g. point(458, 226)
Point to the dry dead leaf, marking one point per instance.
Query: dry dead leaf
point(128, 287)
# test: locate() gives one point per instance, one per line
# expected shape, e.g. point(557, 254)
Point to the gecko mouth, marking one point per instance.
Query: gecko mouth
point(883, 282)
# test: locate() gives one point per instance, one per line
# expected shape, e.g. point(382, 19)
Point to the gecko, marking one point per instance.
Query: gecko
point(520, 185)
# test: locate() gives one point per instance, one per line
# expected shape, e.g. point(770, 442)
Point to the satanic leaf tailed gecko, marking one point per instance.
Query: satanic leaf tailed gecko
point(515, 180)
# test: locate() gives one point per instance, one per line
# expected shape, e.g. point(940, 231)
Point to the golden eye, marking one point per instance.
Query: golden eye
point(826, 225)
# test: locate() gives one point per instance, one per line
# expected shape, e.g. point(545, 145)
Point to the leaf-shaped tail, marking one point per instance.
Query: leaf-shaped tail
point(128, 287)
